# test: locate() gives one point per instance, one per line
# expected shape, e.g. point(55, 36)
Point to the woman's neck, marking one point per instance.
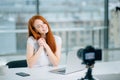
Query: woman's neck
point(43, 35)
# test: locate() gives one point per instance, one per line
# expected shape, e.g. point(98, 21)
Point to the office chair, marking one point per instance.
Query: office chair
point(17, 64)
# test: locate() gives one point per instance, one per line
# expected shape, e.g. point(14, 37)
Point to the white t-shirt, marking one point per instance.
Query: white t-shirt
point(43, 58)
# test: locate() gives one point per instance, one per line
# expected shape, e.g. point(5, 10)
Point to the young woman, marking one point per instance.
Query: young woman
point(43, 48)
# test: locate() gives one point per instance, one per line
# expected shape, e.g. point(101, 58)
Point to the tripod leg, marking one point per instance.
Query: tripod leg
point(88, 75)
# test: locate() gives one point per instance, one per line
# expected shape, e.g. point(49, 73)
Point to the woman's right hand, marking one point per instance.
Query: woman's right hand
point(41, 42)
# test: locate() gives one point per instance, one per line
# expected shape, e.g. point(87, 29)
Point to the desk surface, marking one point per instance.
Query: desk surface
point(43, 73)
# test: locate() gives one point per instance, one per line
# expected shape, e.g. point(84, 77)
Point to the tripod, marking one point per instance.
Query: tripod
point(88, 75)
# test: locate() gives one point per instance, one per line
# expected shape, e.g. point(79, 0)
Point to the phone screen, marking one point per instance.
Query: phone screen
point(23, 74)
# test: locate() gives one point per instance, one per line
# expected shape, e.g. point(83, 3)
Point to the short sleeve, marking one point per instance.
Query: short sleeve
point(30, 41)
point(58, 40)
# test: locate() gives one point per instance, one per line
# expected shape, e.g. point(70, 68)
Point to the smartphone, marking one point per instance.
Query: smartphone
point(23, 74)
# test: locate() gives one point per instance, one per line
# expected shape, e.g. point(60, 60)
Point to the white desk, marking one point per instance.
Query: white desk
point(43, 73)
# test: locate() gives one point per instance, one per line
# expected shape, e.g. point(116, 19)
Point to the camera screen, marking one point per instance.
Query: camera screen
point(89, 56)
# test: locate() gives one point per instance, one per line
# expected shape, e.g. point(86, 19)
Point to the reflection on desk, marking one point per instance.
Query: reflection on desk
point(42, 73)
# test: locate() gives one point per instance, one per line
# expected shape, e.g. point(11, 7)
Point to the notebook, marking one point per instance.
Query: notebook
point(73, 64)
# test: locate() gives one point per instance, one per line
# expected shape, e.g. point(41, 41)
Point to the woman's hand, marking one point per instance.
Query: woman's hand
point(42, 42)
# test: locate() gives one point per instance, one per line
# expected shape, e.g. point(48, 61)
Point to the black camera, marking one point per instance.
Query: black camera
point(89, 55)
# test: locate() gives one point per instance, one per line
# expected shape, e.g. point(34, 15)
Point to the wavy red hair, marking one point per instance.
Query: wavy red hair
point(50, 40)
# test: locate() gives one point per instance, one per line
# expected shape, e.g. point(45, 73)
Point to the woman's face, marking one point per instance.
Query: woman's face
point(40, 26)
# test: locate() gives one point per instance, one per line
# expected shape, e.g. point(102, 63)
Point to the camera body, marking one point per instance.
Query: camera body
point(89, 55)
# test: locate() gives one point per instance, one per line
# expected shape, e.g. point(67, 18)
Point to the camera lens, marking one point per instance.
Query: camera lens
point(79, 53)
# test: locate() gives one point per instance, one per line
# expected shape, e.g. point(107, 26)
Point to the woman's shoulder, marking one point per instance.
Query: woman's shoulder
point(30, 40)
point(58, 39)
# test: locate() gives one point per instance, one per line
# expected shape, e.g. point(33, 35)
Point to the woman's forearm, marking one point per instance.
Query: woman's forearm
point(53, 58)
point(33, 59)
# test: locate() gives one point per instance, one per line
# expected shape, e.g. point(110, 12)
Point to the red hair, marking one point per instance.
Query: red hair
point(50, 40)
